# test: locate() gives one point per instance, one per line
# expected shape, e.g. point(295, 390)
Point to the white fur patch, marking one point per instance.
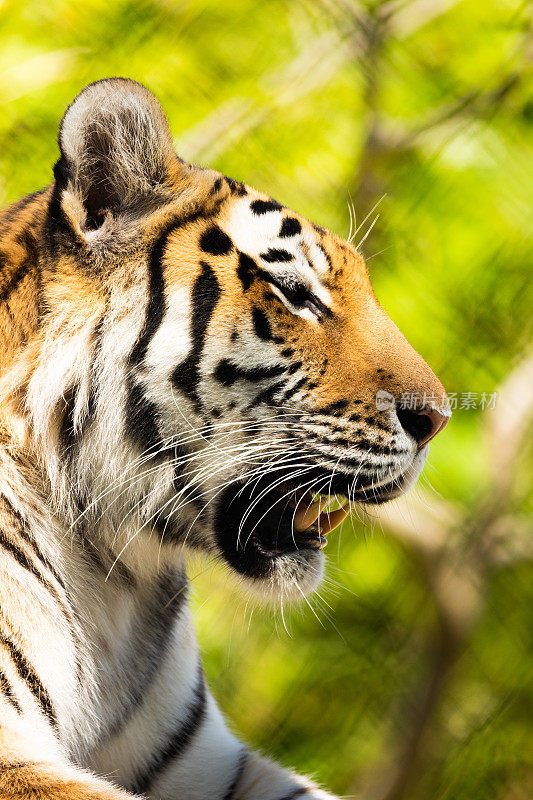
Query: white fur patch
point(171, 343)
point(256, 234)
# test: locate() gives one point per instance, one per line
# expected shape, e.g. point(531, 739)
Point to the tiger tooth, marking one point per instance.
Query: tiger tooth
point(306, 515)
point(332, 519)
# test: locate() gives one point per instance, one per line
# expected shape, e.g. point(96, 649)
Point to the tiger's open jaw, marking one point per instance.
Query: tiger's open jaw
point(309, 518)
point(271, 531)
point(265, 531)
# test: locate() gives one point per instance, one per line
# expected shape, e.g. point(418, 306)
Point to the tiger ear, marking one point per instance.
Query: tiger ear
point(116, 150)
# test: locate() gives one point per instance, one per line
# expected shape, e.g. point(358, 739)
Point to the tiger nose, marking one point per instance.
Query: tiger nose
point(422, 424)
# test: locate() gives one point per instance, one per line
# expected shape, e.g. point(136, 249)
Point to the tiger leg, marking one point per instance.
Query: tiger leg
point(23, 777)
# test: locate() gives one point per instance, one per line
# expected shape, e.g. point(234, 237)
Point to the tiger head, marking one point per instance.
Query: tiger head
point(217, 366)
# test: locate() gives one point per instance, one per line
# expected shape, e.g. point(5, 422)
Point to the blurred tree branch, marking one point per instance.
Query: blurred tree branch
point(358, 34)
point(455, 550)
point(230, 122)
point(370, 28)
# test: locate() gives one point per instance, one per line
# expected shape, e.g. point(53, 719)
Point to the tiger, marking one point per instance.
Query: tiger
point(187, 367)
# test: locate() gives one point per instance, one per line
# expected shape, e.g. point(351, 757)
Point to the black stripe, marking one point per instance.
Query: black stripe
point(326, 255)
point(267, 395)
point(236, 187)
point(10, 214)
point(274, 255)
point(142, 419)
point(58, 230)
point(294, 367)
point(205, 296)
point(335, 408)
point(155, 310)
point(216, 187)
point(17, 277)
point(296, 793)
point(25, 563)
point(55, 220)
point(64, 604)
point(215, 241)
point(103, 560)
point(27, 241)
point(293, 389)
point(263, 206)
point(263, 328)
point(247, 270)
point(350, 461)
point(148, 643)
point(24, 534)
point(241, 764)
point(98, 339)
point(290, 227)
point(8, 692)
point(30, 677)
point(227, 373)
point(68, 439)
point(45, 561)
point(178, 742)
point(262, 325)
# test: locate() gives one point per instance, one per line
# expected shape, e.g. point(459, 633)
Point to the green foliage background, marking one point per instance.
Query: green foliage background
point(428, 102)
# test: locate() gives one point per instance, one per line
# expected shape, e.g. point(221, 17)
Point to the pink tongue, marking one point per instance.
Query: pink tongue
point(307, 514)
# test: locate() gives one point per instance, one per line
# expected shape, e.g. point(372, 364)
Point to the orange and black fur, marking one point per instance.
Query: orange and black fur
point(186, 365)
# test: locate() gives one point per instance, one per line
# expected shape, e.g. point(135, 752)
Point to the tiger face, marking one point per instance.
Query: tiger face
point(240, 371)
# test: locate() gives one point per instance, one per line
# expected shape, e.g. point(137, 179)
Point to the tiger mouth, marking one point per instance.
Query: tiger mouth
point(312, 520)
point(257, 525)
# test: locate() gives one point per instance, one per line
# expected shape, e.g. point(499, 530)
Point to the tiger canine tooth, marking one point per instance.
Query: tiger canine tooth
point(306, 515)
point(332, 519)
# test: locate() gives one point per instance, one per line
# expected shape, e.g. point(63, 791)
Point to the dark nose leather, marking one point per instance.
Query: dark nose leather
point(422, 424)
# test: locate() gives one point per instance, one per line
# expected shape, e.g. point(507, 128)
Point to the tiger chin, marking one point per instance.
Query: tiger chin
point(186, 365)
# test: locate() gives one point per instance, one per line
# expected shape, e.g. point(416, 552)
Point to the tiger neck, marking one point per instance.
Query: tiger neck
point(34, 471)
point(120, 547)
